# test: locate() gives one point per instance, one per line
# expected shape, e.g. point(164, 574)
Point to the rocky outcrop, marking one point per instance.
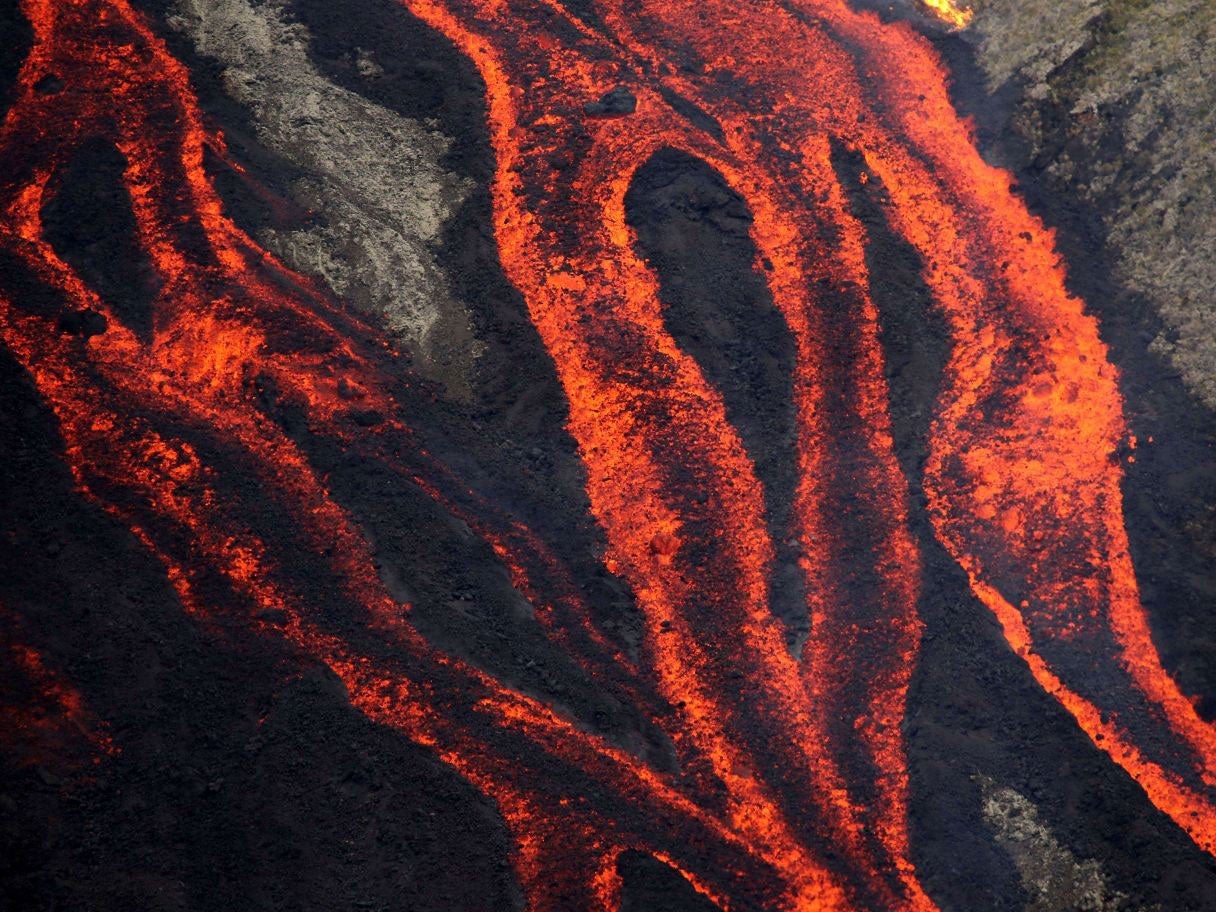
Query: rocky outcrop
point(1117, 104)
point(1052, 876)
point(373, 177)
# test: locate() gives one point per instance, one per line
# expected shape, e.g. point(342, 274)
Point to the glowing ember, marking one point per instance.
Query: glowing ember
point(793, 786)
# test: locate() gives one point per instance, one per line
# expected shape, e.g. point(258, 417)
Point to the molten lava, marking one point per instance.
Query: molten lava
point(792, 791)
point(950, 12)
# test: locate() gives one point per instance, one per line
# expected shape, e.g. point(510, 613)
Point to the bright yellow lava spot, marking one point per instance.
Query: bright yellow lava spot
point(947, 11)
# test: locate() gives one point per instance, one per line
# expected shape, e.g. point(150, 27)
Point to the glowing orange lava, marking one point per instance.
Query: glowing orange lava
point(950, 12)
point(793, 787)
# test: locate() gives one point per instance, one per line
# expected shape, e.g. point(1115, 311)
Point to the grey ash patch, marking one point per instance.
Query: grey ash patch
point(373, 179)
point(1117, 106)
point(1052, 876)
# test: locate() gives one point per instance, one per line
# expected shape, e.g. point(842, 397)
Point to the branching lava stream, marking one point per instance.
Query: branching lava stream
point(792, 790)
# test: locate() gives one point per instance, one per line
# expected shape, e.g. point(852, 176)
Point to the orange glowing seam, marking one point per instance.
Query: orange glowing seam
point(211, 381)
point(34, 727)
point(906, 73)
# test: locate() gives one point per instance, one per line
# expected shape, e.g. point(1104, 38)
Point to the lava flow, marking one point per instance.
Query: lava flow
point(792, 786)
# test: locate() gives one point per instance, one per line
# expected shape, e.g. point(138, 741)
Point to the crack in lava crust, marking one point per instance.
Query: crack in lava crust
point(792, 791)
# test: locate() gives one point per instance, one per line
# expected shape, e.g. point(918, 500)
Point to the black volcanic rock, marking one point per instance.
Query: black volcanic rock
point(86, 322)
point(49, 84)
point(616, 103)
